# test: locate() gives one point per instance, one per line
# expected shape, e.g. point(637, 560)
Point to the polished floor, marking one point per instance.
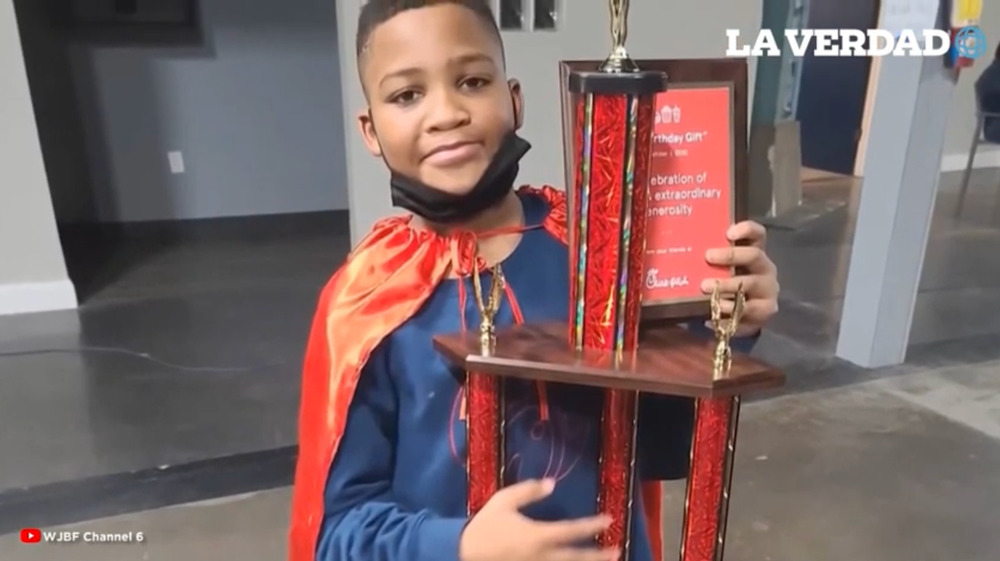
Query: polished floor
point(187, 349)
point(897, 469)
point(177, 382)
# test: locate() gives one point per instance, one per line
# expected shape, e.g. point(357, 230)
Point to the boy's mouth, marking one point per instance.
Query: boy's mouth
point(453, 154)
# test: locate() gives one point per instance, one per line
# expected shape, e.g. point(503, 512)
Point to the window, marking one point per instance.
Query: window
point(528, 15)
point(511, 15)
point(545, 14)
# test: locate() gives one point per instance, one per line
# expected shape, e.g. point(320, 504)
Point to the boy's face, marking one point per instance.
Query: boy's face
point(438, 97)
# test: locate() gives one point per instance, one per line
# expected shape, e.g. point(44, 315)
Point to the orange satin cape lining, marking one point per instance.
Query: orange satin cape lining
point(384, 282)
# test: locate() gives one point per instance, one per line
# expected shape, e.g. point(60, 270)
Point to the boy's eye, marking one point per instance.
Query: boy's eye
point(405, 97)
point(475, 83)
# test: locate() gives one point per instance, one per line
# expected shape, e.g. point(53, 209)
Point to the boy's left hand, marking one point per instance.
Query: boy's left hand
point(760, 278)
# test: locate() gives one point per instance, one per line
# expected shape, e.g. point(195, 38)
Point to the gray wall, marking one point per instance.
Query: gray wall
point(32, 271)
point(961, 120)
point(256, 112)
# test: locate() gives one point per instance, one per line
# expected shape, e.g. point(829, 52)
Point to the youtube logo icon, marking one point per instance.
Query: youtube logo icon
point(31, 535)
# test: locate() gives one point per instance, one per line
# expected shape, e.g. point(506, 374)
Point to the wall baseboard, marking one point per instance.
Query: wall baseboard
point(32, 297)
point(985, 158)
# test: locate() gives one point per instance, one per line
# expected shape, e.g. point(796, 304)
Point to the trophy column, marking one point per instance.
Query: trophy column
point(707, 503)
point(485, 406)
point(612, 140)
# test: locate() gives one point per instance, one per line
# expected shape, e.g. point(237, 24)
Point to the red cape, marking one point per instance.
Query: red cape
point(385, 280)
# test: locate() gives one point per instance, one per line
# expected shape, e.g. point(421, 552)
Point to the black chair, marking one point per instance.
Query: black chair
point(978, 137)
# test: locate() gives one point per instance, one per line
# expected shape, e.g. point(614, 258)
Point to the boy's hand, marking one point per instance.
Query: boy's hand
point(499, 532)
point(760, 281)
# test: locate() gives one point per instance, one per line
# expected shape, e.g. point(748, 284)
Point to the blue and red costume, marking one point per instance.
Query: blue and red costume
point(381, 474)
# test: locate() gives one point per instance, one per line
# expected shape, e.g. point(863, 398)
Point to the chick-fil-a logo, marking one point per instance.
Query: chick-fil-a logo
point(653, 280)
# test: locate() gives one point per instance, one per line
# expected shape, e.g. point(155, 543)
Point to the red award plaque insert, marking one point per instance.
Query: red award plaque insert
point(690, 191)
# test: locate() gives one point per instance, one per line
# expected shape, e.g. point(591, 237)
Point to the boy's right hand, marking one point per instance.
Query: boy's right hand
point(499, 532)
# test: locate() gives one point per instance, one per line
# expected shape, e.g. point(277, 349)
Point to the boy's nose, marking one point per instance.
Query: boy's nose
point(446, 113)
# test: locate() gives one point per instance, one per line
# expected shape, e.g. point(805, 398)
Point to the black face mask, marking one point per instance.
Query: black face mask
point(440, 207)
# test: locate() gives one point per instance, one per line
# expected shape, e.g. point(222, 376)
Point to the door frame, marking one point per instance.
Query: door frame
point(874, 67)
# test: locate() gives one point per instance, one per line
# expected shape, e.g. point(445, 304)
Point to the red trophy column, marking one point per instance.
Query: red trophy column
point(707, 504)
point(612, 143)
point(483, 403)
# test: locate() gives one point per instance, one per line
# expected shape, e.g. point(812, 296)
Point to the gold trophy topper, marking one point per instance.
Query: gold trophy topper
point(619, 61)
point(724, 330)
point(488, 309)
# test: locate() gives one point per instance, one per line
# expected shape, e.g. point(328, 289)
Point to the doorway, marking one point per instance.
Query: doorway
point(833, 90)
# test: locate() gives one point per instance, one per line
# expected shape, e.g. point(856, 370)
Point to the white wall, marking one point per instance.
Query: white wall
point(961, 119)
point(256, 113)
point(657, 30)
point(32, 271)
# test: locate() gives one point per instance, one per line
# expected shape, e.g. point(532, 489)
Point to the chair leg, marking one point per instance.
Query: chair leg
point(968, 166)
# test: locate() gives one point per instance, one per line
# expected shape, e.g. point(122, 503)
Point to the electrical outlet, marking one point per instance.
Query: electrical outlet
point(176, 160)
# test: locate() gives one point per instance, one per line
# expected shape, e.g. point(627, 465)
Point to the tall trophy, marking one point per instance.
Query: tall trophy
point(610, 340)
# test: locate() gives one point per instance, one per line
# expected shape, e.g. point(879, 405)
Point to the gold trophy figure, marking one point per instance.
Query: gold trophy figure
point(488, 309)
point(724, 330)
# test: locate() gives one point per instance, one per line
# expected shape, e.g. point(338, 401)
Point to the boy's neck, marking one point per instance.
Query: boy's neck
point(505, 214)
point(508, 213)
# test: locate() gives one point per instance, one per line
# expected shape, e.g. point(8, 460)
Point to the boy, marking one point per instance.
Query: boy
point(381, 473)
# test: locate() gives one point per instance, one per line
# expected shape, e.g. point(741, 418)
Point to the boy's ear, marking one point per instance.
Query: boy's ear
point(367, 128)
point(518, 100)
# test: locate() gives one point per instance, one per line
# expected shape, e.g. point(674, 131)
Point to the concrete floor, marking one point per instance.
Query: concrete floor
point(176, 336)
point(177, 381)
point(898, 469)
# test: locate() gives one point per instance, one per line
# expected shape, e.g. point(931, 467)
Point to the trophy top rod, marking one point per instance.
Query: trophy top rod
point(618, 74)
point(619, 60)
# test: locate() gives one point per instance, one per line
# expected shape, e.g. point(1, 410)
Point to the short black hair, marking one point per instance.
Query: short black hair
point(377, 12)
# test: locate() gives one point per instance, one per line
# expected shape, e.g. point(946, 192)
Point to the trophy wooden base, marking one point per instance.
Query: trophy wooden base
point(670, 360)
